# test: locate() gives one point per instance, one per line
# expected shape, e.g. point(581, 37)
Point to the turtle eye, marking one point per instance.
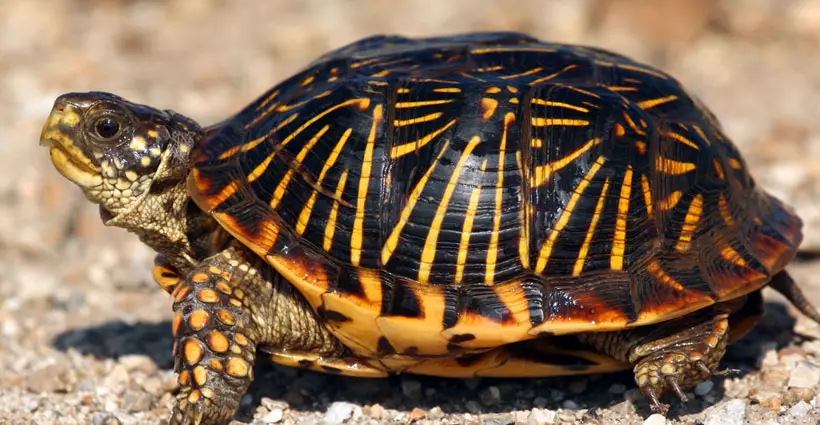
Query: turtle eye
point(106, 128)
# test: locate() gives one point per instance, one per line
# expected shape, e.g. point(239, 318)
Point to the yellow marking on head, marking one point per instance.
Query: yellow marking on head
point(151, 134)
point(490, 68)
point(279, 193)
point(543, 172)
point(304, 216)
point(492, 90)
point(417, 120)
point(393, 239)
point(672, 167)
point(401, 150)
point(137, 144)
point(651, 103)
point(680, 138)
point(330, 228)
point(416, 104)
point(566, 122)
point(670, 202)
point(364, 180)
point(616, 259)
point(466, 232)
point(428, 253)
point(596, 215)
point(131, 175)
point(488, 107)
point(155, 152)
point(734, 163)
point(447, 90)
point(546, 247)
point(553, 75)
point(522, 74)
point(658, 273)
point(492, 250)
point(554, 104)
point(536, 142)
point(690, 224)
point(647, 194)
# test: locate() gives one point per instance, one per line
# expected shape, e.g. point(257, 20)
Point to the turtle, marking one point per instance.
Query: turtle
point(482, 204)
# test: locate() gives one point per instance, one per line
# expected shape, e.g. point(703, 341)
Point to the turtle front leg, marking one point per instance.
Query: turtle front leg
point(215, 338)
point(669, 356)
point(227, 306)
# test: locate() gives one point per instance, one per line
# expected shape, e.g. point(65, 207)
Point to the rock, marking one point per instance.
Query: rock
point(435, 413)
point(134, 402)
point(47, 380)
point(104, 418)
point(769, 355)
point(271, 404)
point(769, 399)
point(805, 374)
point(617, 389)
point(273, 416)
point(732, 412)
point(655, 419)
point(794, 395)
point(338, 412)
point(375, 411)
point(411, 389)
point(569, 404)
point(541, 417)
point(491, 396)
point(799, 410)
point(540, 402)
point(703, 388)
point(417, 414)
point(138, 363)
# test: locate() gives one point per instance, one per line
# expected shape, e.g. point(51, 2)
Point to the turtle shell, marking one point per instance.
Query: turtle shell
point(446, 195)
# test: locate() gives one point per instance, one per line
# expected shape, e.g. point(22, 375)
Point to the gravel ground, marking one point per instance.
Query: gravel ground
point(86, 334)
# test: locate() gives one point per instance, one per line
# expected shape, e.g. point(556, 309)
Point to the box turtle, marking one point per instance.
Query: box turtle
point(481, 204)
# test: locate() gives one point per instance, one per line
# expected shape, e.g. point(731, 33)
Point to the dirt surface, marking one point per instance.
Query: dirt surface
point(86, 334)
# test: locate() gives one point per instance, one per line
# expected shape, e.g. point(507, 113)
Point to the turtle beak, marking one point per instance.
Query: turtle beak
point(61, 133)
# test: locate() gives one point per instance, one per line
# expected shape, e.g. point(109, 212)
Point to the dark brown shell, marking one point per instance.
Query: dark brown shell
point(447, 195)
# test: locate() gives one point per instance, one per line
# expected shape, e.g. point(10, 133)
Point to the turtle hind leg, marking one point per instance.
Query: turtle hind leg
point(673, 355)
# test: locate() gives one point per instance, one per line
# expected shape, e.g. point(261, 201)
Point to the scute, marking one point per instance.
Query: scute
point(454, 194)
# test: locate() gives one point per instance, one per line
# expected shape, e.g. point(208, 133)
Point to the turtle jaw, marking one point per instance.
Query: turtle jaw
point(59, 134)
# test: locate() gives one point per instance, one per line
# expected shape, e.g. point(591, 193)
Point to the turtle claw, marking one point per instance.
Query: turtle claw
point(672, 383)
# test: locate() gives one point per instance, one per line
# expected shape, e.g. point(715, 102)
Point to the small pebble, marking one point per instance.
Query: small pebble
point(732, 412)
point(617, 389)
point(103, 418)
point(273, 416)
point(435, 413)
point(491, 396)
point(134, 401)
point(473, 407)
point(569, 404)
point(805, 374)
point(417, 414)
point(704, 388)
point(541, 417)
point(339, 412)
point(376, 411)
point(655, 419)
point(800, 409)
point(540, 402)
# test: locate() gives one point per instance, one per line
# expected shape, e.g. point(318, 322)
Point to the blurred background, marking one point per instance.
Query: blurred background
point(756, 63)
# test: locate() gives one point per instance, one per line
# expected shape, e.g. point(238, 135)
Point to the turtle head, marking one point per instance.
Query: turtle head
point(118, 151)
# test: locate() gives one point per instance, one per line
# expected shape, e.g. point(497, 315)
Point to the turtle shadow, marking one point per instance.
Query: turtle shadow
point(309, 391)
point(114, 339)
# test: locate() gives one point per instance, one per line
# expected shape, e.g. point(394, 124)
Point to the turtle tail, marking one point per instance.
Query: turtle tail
point(784, 284)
